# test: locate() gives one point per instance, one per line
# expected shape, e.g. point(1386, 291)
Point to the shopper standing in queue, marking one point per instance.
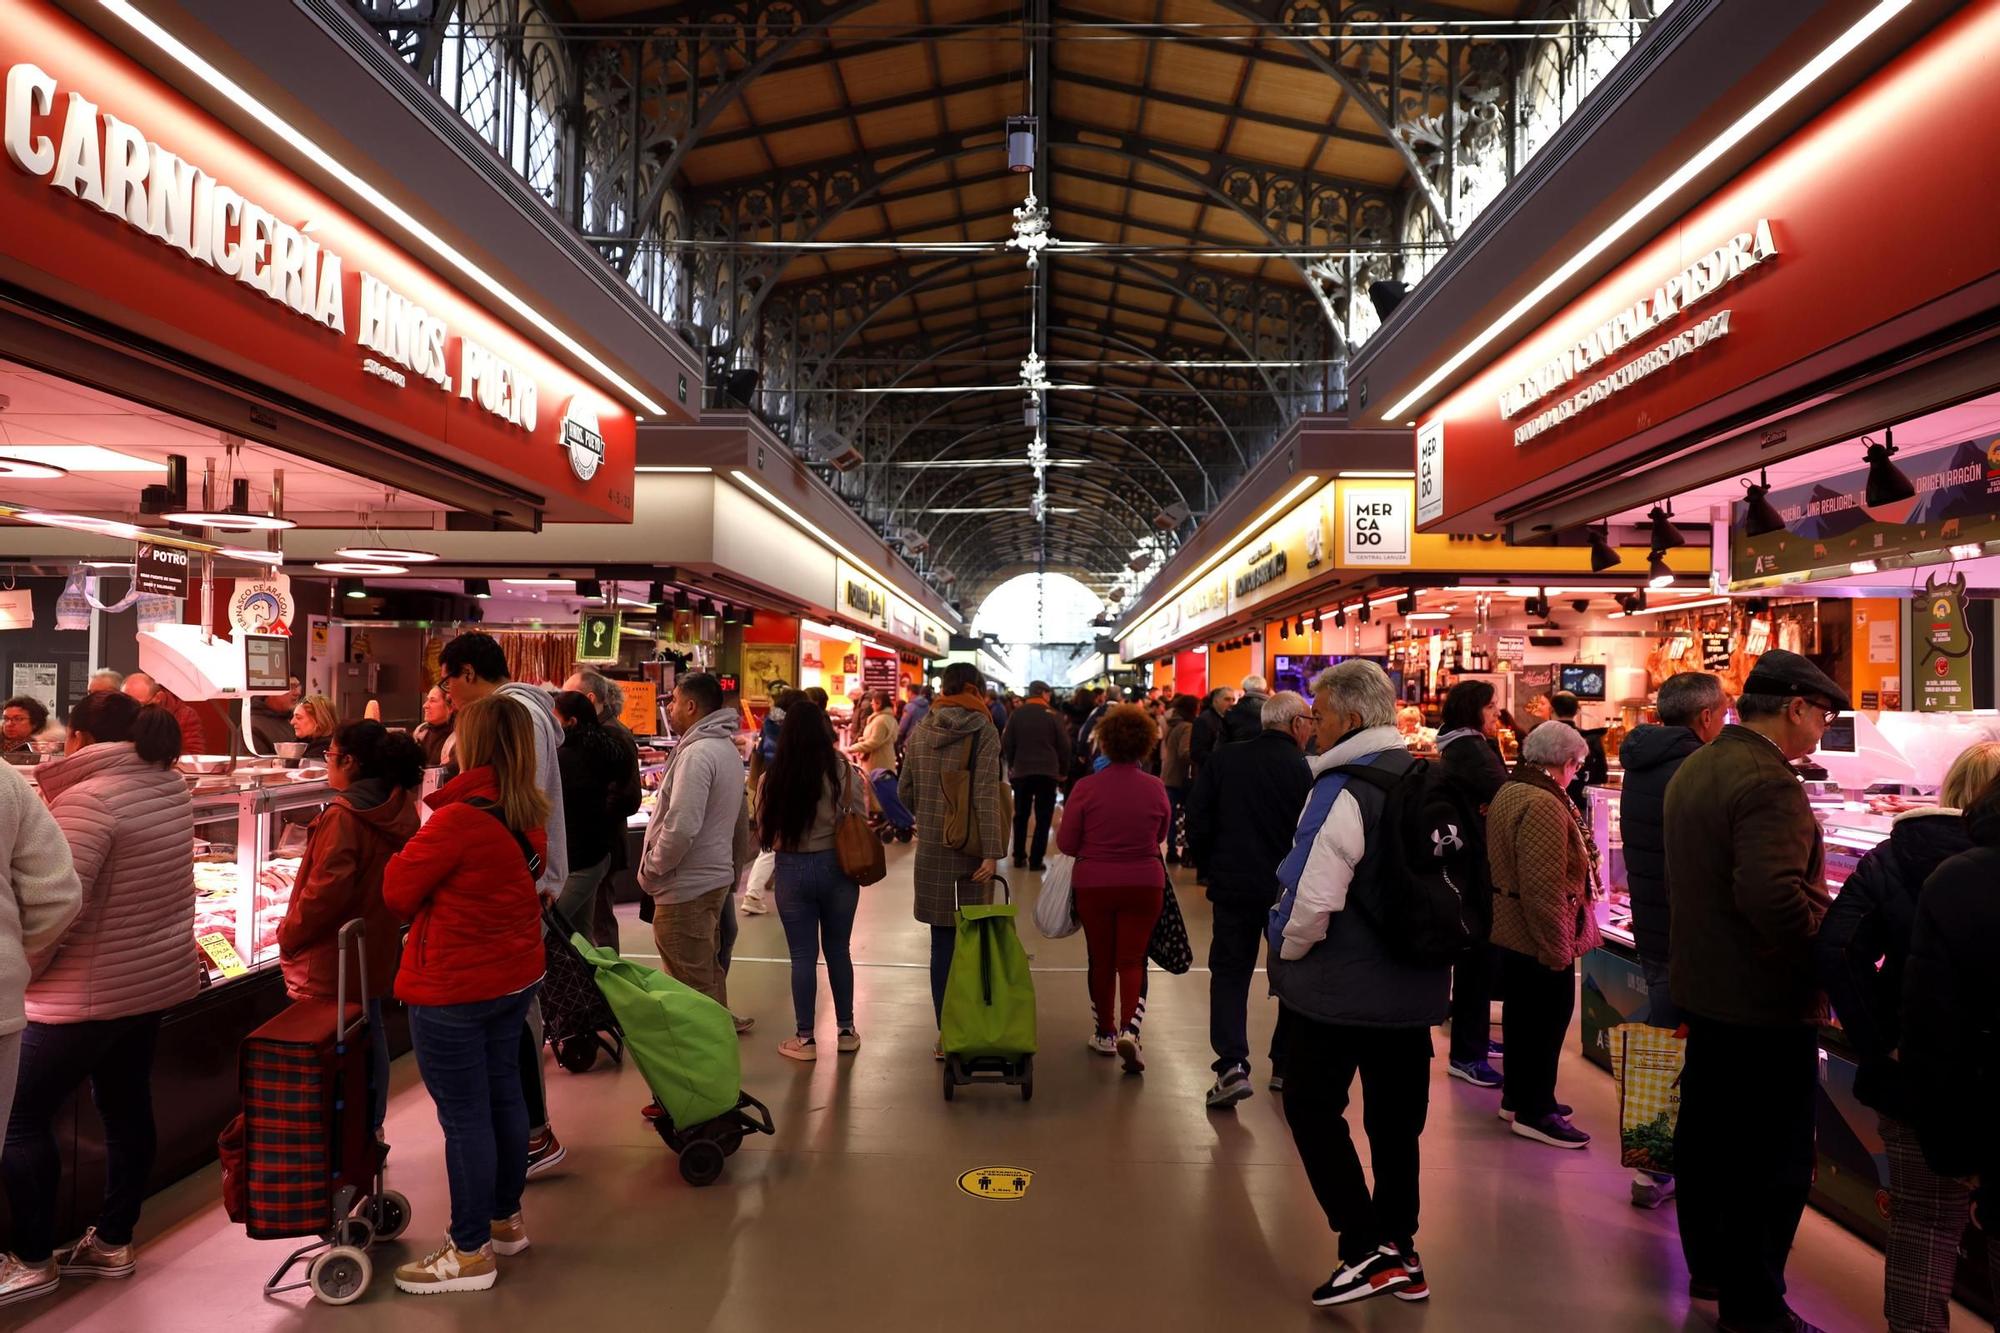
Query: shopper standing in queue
point(1746, 880)
point(1245, 717)
point(762, 755)
point(1544, 884)
point(1035, 746)
point(434, 732)
point(472, 667)
point(1692, 707)
point(625, 796)
point(805, 794)
point(147, 691)
point(1470, 773)
point(593, 774)
point(1241, 816)
point(467, 882)
point(957, 850)
point(313, 721)
point(374, 773)
point(1950, 1060)
point(688, 865)
point(94, 1010)
point(1354, 1007)
point(1177, 770)
point(1113, 825)
point(1863, 950)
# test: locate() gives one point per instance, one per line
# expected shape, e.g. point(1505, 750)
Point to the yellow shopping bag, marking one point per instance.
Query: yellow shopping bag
point(1647, 1061)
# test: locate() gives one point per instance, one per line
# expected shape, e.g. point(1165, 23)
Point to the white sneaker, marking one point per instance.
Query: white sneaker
point(449, 1269)
point(1131, 1053)
point(1102, 1043)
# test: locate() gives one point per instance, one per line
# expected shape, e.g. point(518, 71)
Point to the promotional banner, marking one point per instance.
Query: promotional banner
point(1942, 641)
point(161, 571)
point(262, 606)
point(597, 636)
point(1829, 524)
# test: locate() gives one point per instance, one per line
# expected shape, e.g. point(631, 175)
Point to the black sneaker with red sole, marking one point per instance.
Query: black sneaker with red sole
point(1379, 1274)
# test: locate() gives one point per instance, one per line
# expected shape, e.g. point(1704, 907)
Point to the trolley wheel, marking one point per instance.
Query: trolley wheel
point(389, 1213)
point(577, 1054)
point(1027, 1078)
point(356, 1231)
point(950, 1077)
point(730, 1144)
point(701, 1162)
point(340, 1276)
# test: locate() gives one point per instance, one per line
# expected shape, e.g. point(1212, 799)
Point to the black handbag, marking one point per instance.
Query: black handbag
point(1169, 946)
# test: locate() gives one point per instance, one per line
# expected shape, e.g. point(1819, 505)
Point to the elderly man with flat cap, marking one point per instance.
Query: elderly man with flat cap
point(1746, 881)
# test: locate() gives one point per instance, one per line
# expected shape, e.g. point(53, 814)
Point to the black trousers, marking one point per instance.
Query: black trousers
point(1472, 1002)
point(1321, 1060)
point(115, 1055)
point(1744, 1155)
point(1040, 794)
point(1540, 1003)
point(1232, 968)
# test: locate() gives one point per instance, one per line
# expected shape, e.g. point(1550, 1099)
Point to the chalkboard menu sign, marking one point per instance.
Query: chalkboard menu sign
point(1715, 651)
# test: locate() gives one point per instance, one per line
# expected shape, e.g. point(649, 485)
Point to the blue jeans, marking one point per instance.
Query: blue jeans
point(378, 1063)
point(816, 903)
point(469, 1055)
point(116, 1056)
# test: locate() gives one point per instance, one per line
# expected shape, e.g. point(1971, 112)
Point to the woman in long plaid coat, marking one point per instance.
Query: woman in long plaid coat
point(956, 735)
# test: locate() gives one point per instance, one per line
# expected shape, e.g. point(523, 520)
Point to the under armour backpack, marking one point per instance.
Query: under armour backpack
point(1410, 896)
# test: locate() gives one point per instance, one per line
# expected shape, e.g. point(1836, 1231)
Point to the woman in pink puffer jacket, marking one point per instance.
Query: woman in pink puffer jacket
point(94, 1011)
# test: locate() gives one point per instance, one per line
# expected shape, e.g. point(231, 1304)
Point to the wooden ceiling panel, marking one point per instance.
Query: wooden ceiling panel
point(1378, 164)
point(1084, 105)
point(1181, 67)
point(880, 129)
point(1281, 148)
point(1183, 126)
point(876, 74)
point(804, 91)
point(987, 107)
point(1123, 62)
point(830, 138)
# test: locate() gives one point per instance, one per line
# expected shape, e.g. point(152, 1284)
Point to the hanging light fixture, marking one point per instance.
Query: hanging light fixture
point(1762, 517)
point(728, 613)
point(658, 595)
point(589, 589)
point(682, 602)
point(1665, 535)
point(747, 617)
point(1020, 143)
point(1603, 555)
point(1339, 618)
point(1367, 612)
point(1316, 619)
point(401, 555)
point(351, 589)
point(1658, 575)
point(1887, 483)
point(1406, 604)
point(479, 588)
point(357, 567)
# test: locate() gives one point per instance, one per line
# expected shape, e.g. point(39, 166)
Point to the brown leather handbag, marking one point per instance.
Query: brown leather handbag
point(857, 845)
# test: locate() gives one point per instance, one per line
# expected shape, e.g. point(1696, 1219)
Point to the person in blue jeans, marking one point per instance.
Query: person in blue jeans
point(466, 884)
point(806, 791)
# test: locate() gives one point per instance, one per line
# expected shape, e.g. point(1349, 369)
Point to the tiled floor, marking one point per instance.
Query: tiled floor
point(1146, 1211)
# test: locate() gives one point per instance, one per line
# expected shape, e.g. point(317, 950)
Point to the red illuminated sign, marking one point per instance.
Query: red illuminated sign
point(125, 200)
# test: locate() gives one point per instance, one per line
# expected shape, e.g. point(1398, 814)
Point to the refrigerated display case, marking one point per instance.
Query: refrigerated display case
point(248, 839)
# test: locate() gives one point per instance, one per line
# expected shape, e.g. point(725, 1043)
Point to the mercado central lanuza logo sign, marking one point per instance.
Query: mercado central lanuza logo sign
point(1697, 282)
point(113, 167)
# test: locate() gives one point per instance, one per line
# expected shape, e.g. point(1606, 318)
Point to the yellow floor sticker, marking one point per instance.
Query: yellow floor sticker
point(996, 1182)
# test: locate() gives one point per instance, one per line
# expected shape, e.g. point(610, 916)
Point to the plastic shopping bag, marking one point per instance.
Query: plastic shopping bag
point(1055, 909)
point(1647, 1061)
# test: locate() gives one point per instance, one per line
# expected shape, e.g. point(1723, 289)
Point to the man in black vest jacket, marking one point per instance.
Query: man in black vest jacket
point(1240, 817)
point(1692, 707)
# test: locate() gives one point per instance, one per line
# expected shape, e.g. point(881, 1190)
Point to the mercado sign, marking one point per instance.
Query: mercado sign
point(128, 202)
point(1829, 525)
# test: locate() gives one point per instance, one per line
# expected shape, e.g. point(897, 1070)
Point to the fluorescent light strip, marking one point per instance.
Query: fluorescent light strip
point(1860, 31)
point(1663, 610)
point(1386, 474)
point(1228, 548)
point(750, 484)
point(662, 467)
point(436, 244)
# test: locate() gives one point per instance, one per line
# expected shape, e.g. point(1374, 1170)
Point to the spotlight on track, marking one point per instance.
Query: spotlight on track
point(1658, 575)
point(1762, 517)
point(1665, 535)
point(1887, 483)
point(1603, 555)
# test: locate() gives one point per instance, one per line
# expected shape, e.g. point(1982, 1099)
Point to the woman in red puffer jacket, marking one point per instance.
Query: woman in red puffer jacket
point(466, 883)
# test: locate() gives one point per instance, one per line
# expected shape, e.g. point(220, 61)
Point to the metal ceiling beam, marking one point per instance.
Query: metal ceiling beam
point(1054, 424)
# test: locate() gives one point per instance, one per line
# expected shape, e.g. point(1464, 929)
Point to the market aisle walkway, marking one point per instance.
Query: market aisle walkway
point(1146, 1210)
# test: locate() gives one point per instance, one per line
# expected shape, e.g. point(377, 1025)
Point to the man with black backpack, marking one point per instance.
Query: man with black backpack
point(1362, 940)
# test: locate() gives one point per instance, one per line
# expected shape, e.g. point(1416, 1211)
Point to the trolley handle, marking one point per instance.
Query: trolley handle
point(357, 929)
point(1007, 892)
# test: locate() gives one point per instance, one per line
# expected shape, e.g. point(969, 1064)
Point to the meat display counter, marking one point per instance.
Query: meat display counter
point(249, 834)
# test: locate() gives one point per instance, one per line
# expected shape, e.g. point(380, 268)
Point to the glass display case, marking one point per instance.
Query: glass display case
point(248, 840)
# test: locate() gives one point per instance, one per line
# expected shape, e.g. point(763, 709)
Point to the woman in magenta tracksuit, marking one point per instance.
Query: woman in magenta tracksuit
point(1113, 824)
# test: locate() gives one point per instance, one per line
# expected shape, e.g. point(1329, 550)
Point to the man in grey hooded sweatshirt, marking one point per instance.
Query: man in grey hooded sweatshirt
point(689, 861)
point(471, 667)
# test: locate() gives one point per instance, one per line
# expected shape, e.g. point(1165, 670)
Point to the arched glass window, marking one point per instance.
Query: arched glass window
point(1563, 67)
point(500, 68)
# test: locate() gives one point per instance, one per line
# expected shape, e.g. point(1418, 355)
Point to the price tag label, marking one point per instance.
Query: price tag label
point(222, 953)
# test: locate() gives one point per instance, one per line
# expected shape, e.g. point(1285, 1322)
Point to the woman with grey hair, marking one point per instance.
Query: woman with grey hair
point(1544, 880)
